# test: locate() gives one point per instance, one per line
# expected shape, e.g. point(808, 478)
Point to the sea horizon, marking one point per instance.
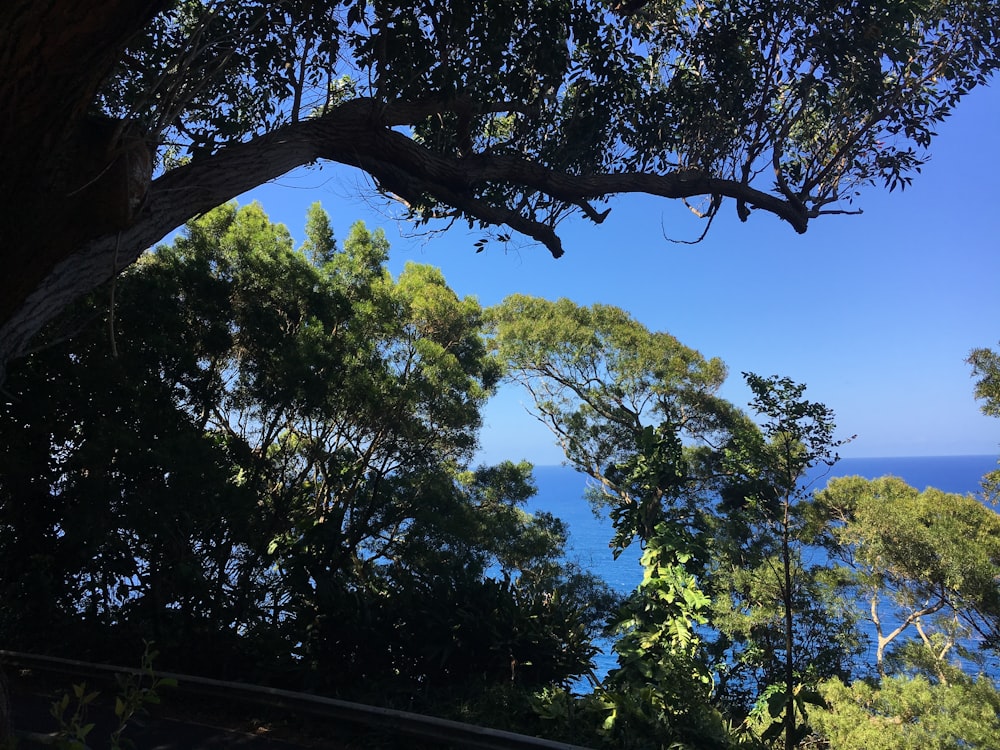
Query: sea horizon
point(993, 456)
point(561, 492)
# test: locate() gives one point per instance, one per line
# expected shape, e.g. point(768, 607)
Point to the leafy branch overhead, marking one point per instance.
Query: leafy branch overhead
point(484, 109)
point(514, 114)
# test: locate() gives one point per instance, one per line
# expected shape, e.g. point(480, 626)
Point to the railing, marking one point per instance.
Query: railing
point(445, 731)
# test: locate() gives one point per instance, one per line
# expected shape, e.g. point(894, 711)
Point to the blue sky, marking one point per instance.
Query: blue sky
point(875, 313)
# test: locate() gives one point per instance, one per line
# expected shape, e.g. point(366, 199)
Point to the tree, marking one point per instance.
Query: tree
point(120, 512)
point(761, 541)
point(910, 714)
point(499, 114)
point(660, 693)
point(713, 498)
point(633, 409)
point(284, 489)
point(986, 366)
point(924, 561)
point(637, 412)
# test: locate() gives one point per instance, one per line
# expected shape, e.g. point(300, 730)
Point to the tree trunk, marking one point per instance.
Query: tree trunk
point(5, 728)
point(54, 55)
point(786, 560)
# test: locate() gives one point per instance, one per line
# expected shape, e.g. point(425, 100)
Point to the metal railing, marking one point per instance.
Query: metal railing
point(446, 731)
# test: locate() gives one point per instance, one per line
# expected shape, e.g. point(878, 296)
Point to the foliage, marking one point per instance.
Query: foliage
point(261, 455)
point(269, 472)
point(73, 730)
point(109, 492)
point(903, 713)
point(986, 366)
point(724, 509)
point(135, 693)
point(637, 412)
point(714, 499)
point(721, 88)
point(776, 614)
point(508, 116)
point(924, 561)
point(748, 646)
point(634, 410)
point(131, 701)
point(659, 695)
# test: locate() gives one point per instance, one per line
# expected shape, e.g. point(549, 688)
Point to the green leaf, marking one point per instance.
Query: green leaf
point(811, 697)
point(772, 732)
point(776, 703)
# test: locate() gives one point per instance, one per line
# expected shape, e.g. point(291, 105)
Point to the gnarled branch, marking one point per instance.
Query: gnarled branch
point(357, 133)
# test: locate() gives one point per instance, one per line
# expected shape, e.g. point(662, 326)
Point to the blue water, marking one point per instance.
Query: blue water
point(561, 492)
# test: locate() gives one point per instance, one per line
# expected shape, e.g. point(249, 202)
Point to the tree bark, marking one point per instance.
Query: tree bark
point(54, 54)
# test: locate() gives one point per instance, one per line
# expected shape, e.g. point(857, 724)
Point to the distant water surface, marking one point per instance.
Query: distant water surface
point(561, 492)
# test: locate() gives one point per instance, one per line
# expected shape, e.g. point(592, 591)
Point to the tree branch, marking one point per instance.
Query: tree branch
point(357, 133)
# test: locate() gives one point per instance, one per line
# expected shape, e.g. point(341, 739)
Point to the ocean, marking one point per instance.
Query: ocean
point(561, 492)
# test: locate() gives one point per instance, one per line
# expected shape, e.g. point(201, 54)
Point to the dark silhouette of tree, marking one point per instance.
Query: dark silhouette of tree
point(125, 119)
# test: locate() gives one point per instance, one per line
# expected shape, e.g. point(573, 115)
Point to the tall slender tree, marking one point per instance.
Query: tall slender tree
point(768, 469)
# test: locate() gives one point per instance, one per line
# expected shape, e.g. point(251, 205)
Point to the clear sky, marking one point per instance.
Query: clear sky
point(874, 313)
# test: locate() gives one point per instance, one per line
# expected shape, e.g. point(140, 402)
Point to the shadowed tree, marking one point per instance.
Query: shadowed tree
point(126, 119)
point(269, 473)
